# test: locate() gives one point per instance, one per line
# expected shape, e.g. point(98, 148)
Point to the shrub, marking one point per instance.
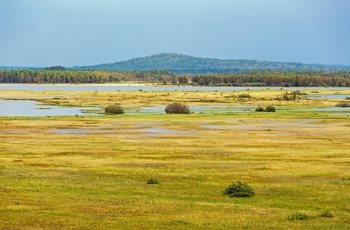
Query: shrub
point(286, 97)
point(259, 109)
point(239, 189)
point(298, 216)
point(343, 104)
point(298, 92)
point(293, 95)
point(114, 109)
point(326, 214)
point(177, 108)
point(270, 108)
point(152, 181)
point(244, 95)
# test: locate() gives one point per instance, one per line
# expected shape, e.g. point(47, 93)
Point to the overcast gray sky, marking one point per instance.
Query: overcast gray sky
point(86, 32)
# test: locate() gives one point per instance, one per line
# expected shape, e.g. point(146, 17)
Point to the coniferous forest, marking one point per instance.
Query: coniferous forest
point(58, 75)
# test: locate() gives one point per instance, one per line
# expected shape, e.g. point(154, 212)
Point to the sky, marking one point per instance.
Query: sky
point(40, 33)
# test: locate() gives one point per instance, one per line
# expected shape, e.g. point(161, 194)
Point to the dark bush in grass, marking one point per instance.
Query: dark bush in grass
point(152, 181)
point(244, 95)
point(343, 104)
point(259, 109)
point(239, 189)
point(298, 216)
point(177, 108)
point(270, 108)
point(114, 109)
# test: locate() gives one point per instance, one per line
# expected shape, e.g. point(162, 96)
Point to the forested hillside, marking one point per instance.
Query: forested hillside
point(183, 64)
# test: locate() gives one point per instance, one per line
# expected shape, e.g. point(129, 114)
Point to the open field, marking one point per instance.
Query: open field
point(91, 172)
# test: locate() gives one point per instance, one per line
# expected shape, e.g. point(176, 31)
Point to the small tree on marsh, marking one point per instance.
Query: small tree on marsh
point(270, 108)
point(239, 189)
point(177, 108)
point(114, 109)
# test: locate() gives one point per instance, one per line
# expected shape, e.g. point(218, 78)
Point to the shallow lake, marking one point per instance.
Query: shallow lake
point(331, 96)
point(36, 109)
point(11, 108)
point(331, 109)
point(116, 87)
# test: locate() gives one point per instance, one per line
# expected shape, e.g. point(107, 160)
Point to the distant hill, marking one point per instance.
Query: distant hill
point(183, 64)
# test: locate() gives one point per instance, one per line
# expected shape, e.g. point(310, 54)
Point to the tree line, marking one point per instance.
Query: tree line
point(276, 78)
point(252, 78)
point(56, 75)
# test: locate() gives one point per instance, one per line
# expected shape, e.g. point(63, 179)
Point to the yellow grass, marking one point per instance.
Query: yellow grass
point(92, 172)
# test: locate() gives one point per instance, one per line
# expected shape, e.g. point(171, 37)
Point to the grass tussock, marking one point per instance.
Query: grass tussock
point(298, 216)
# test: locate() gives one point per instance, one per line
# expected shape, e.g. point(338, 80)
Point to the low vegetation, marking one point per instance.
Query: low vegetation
point(343, 104)
point(298, 216)
point(114, 109)
point(152, 181)
point(177, 108)
point(239, 189)
point(244, 95)
point(260, 109)
point(326, 214)
point(270, 108)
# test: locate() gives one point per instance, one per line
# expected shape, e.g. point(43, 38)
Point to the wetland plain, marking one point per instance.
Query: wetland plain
point(91, 172)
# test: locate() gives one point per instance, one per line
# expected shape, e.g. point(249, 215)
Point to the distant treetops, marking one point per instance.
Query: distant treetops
point(58, 67)
point(262, 78)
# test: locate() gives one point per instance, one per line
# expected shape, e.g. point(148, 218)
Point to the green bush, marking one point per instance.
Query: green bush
point(326, 214)
point(152, 181)
point(298, 216)
point(343, 104)
point(259, 109)
point(270, 108)
point(114, 109)
point(239, 189)
point(177, 108)
point(244, 95)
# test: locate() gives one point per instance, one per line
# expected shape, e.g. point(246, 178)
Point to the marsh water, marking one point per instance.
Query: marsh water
point(29, 108)
point(36, 109)
point(331, 96)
